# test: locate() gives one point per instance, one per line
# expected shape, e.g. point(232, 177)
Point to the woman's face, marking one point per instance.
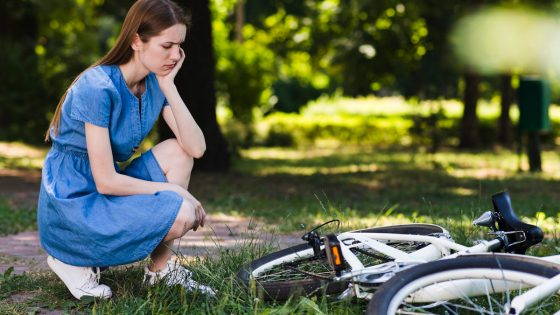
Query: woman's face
point(161, 53)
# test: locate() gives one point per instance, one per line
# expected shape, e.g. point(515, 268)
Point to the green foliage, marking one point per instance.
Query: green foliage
point(279, 136)
point(51, 43)
point(244, 77)
point(244, 72)
point(293, 94)
point(275, 52)
point(292, 52)
point(426, 130)
point(349, 130)
point(13, 221)
point(71, 35)
point(22, 94)
point(382, 122)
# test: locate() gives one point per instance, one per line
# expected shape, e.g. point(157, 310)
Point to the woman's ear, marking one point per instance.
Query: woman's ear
point(136, 42)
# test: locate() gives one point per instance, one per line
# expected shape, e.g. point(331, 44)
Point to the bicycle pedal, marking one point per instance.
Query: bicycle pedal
point(334, 253)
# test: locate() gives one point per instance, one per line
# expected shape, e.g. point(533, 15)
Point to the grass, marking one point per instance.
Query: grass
point(16, 220)
point(292, 190)
point(361, 186)
point(131, 297)
point(37, 293)
point(375, 121)
point(364, 186)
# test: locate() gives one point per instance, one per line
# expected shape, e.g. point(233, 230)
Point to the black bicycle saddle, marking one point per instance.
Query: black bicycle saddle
point(508, 222)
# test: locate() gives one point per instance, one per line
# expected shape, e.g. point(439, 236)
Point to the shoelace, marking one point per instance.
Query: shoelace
point(97, 275)
point(94, 277)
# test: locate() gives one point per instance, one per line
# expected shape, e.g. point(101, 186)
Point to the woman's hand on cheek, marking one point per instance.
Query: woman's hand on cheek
point(168, 78)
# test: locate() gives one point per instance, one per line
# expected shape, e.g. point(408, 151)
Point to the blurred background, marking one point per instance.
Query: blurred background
point(374, 112)
point(286, 73)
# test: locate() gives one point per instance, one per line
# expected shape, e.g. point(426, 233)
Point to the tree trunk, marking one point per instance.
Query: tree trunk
point(505, 132)
point(469, 137)
point(239, 20)
point(195, 82)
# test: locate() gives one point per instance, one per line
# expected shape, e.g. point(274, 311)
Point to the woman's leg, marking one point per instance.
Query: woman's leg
point(183, 223)
point(177, 166)
point(174, 161)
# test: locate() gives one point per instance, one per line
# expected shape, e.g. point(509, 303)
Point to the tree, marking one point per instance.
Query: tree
point(505, 132)
point(22, 103)
point(195, 81)
point(469, 136)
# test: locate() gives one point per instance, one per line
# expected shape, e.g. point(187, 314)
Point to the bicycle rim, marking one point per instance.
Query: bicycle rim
point(479, 284)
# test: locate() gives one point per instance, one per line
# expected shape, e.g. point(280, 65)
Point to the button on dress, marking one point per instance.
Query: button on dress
point(77, 224)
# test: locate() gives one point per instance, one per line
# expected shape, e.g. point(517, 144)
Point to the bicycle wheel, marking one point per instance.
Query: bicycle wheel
point(474, 284)
point(295, 271)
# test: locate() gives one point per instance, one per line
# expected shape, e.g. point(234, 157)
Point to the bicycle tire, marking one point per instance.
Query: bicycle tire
point(309, 285)
point(457, 277)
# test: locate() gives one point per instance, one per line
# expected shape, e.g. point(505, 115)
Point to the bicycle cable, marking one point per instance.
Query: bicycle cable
point(328, 222)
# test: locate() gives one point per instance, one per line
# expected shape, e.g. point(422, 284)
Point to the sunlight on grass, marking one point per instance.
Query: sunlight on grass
point(360, 185)
point(15, 155)
point(398, 106)
point(373, 121)
point(18, 149)
point(353, 159)
point(462, 191)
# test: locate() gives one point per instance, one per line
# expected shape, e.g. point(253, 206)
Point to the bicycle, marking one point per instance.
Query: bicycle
point(357, 263)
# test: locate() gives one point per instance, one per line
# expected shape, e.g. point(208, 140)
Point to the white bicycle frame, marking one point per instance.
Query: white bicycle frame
point(439, 248)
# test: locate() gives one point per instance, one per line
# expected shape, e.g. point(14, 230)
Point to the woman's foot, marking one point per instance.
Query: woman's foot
point(81, 281)
point(175, 274)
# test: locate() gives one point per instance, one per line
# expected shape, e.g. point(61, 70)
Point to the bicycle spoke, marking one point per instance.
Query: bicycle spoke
point(492, 302)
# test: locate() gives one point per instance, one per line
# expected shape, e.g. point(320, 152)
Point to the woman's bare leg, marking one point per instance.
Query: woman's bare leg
point(177, 166)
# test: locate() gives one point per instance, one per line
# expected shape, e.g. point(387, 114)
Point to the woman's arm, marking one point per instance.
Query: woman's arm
point(178, 117)
point(106, 178)
point(183, 125)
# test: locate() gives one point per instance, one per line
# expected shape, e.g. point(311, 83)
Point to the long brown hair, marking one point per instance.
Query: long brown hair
point(147, 18)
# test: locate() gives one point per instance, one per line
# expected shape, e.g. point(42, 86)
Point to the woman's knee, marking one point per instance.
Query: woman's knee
point(183, 222)
point(172, 153)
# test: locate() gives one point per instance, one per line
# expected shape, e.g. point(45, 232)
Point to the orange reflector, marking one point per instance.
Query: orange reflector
point(336, 254)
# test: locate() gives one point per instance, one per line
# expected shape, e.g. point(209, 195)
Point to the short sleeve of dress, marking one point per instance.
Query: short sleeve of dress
point(90, 98)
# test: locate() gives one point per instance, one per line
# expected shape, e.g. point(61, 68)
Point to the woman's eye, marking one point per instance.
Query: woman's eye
point(166, 47)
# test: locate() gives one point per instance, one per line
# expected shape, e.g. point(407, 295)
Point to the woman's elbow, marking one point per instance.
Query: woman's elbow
point(104, 186)
point(198, 152)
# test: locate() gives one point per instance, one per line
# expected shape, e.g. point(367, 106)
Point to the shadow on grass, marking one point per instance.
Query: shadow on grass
point(297, 188)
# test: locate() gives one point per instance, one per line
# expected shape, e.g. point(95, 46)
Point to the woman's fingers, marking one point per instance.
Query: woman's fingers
point(202, 216)
point(199, 214)
point(196, 223)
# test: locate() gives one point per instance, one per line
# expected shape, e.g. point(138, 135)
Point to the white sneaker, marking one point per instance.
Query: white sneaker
point(81, 281)
point(175, 274)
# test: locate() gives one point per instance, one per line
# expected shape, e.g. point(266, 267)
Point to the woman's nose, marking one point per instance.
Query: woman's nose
point(176, 53)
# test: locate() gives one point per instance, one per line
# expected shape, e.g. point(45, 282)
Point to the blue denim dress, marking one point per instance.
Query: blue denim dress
point(77, 224)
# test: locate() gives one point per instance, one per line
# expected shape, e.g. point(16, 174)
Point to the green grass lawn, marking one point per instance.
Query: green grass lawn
point(363, 185)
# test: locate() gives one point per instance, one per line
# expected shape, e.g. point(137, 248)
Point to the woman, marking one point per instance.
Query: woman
point(91, 213)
